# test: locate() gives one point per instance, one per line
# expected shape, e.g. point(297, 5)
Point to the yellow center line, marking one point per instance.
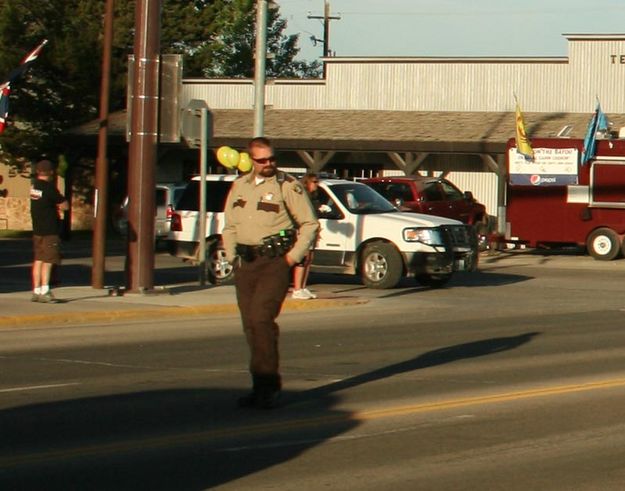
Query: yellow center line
point(256, 430)
point(486, 399)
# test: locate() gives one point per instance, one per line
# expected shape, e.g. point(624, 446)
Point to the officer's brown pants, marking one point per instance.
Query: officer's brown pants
point(261, 286)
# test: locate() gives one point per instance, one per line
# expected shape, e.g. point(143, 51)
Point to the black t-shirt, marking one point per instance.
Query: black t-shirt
point(44, 198)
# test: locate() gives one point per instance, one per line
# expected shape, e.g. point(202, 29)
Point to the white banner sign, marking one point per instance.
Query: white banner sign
point(550, 167)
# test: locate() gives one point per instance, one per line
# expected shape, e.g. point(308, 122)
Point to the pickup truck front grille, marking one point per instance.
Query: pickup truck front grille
point(461, 235)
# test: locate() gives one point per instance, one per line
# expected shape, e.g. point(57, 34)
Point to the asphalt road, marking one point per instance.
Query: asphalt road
point(511, 378)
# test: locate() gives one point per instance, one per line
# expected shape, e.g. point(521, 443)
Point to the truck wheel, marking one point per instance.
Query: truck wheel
point(218, 270)
point(382, 266)
point(603, 244)
point(434, 280)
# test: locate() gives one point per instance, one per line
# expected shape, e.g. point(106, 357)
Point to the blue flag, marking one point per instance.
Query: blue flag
point(598, 122)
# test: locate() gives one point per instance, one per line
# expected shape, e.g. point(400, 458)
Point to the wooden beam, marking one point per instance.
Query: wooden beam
point(498, 165)
point(317, 160)
point(409, 162)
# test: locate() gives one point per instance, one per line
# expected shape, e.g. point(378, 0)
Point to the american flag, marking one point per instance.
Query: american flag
point(5, 86)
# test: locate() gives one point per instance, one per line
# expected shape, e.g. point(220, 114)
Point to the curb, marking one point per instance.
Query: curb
point(73, 318)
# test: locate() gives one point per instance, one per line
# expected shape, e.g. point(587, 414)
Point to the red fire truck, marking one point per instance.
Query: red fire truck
point(555, 200)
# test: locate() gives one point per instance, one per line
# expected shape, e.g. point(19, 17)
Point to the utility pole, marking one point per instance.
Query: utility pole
point(101, 167)
point(326, 26)
point(143, 147)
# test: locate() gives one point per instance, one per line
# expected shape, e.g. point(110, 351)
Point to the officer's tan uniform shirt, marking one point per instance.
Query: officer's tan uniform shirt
point(254, 211)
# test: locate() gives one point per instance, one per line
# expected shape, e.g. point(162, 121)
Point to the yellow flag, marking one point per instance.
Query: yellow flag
point(523, 144)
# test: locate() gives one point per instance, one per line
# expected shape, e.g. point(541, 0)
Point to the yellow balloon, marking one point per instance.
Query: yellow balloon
point(245, 162)
point(223, 154)
point(232, 158)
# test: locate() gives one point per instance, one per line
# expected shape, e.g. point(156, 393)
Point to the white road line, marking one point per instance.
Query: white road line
point(38, 387)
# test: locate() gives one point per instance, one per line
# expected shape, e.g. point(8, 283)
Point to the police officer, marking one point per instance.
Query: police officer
point(263, 211)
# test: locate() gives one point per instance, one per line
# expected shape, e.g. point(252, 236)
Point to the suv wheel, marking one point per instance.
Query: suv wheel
point(219, 270)
point(381, 265)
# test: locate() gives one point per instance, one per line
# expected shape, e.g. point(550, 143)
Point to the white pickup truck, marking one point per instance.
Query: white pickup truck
point(361, 233)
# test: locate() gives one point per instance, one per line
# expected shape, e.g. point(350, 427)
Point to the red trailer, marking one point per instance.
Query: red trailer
point(555, 200)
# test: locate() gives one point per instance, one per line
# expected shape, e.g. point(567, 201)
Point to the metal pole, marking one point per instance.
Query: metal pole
point(202, 211)
point(101, 164)
point(260, 61)
point(143, 147)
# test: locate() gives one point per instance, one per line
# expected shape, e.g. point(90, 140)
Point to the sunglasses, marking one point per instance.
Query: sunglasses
point(265, 160)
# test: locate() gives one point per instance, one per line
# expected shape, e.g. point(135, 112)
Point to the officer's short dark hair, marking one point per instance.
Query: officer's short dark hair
point(260, 141)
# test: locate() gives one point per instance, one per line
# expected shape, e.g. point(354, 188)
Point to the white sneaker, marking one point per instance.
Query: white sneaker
point(309, 293)
point(303, 294)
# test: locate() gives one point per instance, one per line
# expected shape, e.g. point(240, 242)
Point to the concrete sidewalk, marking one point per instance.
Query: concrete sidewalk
point(82, 304)
point(181, 293)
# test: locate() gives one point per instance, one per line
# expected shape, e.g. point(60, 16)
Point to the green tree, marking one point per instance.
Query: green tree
point(61, 90)
point(58, 91)
point(232, 52)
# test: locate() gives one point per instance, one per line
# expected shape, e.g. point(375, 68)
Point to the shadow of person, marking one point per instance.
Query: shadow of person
point(440, 356)
point(168, 439)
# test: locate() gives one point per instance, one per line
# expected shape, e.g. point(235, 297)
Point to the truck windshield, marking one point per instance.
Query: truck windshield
point(361, 199)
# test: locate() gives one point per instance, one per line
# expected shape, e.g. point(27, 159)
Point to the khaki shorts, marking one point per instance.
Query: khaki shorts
point(47, 248)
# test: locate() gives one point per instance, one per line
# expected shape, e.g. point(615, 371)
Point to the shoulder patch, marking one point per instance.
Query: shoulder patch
point(298, 188)
point(284, 177)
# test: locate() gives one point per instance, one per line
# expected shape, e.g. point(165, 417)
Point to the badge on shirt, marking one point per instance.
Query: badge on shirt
point(298, 189)
point(268, 197)
point(239, 202)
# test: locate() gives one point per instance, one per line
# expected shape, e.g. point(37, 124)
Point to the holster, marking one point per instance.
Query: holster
point(279, 244)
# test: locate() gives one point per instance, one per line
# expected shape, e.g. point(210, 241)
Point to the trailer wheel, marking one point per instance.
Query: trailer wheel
point(603, 244)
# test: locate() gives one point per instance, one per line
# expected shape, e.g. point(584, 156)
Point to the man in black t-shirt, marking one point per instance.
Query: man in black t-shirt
point(45, 203)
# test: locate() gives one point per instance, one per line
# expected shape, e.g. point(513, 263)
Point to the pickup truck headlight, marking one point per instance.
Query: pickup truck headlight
point(429, 236)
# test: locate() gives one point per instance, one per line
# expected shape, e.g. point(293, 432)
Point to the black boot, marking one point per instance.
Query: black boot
point(265, 393)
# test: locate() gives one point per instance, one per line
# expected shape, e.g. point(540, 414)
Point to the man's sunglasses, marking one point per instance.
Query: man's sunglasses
point(265, 160)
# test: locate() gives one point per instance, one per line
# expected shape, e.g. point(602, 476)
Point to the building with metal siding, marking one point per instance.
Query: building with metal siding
point(595, 67)
point(440, 84)
point(239, 94)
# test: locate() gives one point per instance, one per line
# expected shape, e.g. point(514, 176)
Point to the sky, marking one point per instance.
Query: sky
point(450, 27)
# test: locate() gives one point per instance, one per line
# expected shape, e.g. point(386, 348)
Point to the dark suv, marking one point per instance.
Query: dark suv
point(432, 196)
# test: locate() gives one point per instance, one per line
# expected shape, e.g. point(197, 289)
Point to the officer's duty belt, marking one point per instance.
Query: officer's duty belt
point(276, 245)
point(249, 252)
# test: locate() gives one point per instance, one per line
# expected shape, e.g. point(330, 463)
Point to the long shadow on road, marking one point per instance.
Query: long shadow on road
point(174, 439)
point(184, 439)
point(441, 356)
